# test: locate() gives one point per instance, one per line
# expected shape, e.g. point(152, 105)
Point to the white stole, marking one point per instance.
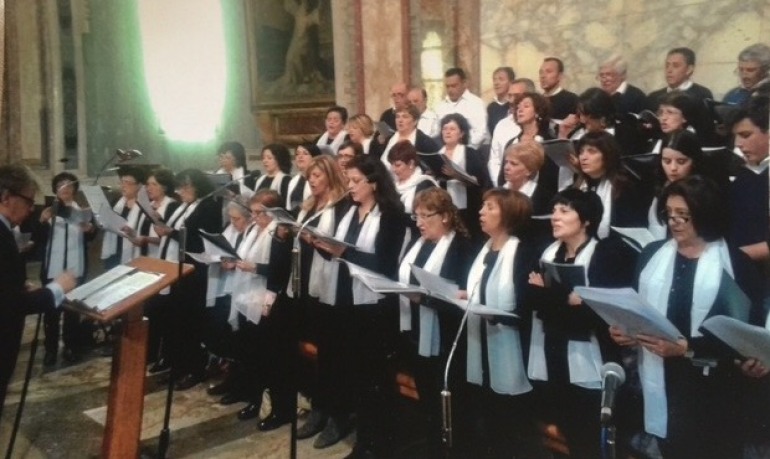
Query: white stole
point(320, 269)
point(394, 139)
point(430, 337)
point(506, 362)
point(658, 229)
point(323, 141)
point(218, 278)
point(176, 222)
point(292, 185)
point(408, 188)
point(456, 188)
point(110, 240)
point(275, 185)
point(250, 289)
point(654, 286)
point(74, 247)
point(364, 243)
point(583, 357)
point(152, 249)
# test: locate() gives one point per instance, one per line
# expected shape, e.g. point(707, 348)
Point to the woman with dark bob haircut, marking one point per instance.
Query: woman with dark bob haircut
point(690, 277)
point(187, 302)
point(569, 342)
point(276, 165)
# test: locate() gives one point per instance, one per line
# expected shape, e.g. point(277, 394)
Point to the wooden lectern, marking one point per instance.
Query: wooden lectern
point(127, 377)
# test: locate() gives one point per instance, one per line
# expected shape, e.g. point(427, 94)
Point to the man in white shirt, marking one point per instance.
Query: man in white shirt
point(506, 129)
point(460, 100)
point(428, 122)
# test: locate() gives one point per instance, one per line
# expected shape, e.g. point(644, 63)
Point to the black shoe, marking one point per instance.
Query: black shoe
point(315, 423)
point(336, 429)
point(250, 412)
point(70, 356)
point(219, 389)
point(160, 365)
point(272, 422)
point(187, 381)
point(50, 358)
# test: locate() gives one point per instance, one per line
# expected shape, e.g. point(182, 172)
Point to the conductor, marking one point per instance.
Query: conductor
point(17, 201)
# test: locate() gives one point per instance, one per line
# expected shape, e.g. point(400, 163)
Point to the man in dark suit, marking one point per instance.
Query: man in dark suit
point(17, 200)
point(680, 65)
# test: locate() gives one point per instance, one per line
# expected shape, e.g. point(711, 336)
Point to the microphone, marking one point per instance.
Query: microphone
point(613, 377)
point(127, 155)
point(446, 394)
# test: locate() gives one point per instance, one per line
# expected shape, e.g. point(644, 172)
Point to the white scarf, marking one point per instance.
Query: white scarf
point(456, 188)
point(364, 243)
point(176, 222)
point(654, 286)
point(73, 245)
point(320, 268)
point(408, 188)
point(292, 185)
point(394, 139)
point(218, 285)
point(275, 185)
point(583, 357)
point(152, 249)
point(250, 289)
point(336, 143)
point(604, 191)
point(110, 241)
point(658, 229)
point(430, 337)
point(506, 362)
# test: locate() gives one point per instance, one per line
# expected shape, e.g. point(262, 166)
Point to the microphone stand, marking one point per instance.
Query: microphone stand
point(446, 394)
point(296, 285)
point(165, 434)
point(35, 338)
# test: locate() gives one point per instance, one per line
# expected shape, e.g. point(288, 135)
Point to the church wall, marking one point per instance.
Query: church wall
point(521, 33)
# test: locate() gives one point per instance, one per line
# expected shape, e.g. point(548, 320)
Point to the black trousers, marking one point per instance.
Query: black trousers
point(187, 305)
point(336, 370)
point(576, 411)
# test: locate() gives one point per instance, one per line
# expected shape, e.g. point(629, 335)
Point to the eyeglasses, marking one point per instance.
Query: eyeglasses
point(677, 219)
point(423, 217)
point(30, 201)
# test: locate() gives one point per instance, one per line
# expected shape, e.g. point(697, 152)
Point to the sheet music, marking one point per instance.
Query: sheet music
point(121, 289)
point(78, 216)
point(143, 199)
point(560, 151)
point(214, 252)
point(462, 173)
point(378, 283)
point(85, 290)
point(568, 275)
point(436, 286)
point(318, 234)
point(94, 196)
point(282, 216)
point(747, 340)
point(109, 220)
point(218, 244)
point(639, 236)
point(624, 308)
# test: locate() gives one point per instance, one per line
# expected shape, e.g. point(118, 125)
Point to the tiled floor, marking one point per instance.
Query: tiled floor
point(66, 406)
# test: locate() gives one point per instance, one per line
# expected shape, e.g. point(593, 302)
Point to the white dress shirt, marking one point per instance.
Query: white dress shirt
point(505, 130)
point(471, 107)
